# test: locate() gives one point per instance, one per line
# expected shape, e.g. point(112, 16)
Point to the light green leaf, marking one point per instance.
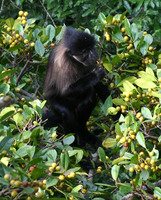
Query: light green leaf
point(109, 142)
point(141, 139)
point(146, 76)
point(18, 118)
point(128, 86)
point(145, 83)
point(102, 154)
point(148, 39)
point(39, 48)
point(157, 191)
point(146, 113)
point(50, 32)
point(115, 172)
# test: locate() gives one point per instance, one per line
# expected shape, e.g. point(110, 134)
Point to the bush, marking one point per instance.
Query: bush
point(36, 163)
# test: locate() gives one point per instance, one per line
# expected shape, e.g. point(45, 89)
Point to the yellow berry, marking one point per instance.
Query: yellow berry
point(72, 174)
point(53, 165)
point(151, 153)
point(152, 161)
point(123, 29)
point(61, 177)
point(18, 183)
point(123, 139)
point(32, 44)
point(26, 41)
point(112, 85)
point(8, 29)
point(131, 169)
point(25, 14)
point(20, 13)
point(24, 22)
point(146, 167)
point(58, 168)
point(7, 176)
point(83, 191)
point(39, 195)
point(142, 165)
point(126, 38)
point(14, 193)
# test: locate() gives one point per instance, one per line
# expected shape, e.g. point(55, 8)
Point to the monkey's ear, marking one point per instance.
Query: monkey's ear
point(69, 52)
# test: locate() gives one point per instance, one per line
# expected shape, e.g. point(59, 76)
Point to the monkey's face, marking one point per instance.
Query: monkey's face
point(86, 57)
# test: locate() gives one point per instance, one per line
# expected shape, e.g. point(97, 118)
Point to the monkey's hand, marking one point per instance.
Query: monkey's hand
point(100, 73)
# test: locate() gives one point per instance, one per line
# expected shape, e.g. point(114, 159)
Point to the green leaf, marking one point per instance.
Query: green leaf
point(117, 129)
point(145, 83)
point(17, 22)
point(44, 38)
point(10, 22)
point(115, 172)
point(3, 182)
point(117, 160)
point(144, 175)
point(148, 39)
point(28, 190)
point(128, 87)
point(18, 118)
point(50, 32)
point(52, 155)
point(102, 18)
point(107, 104)
point(109, 142)
point(157, 191)
point(4, 88)
point(6, 112)
point(6, 143)
point(87, 12)
point(31, 152)
point(144, 48)
point(68, 140)
point(79, 156)
point(39, 48)
point(141, 139)
point(127, 26)
point(147, 76)
point(15, 47)
point(146, 113)
point(64, 159)
point(119, 102)
point(108, 66)
point(118, 36)
point(51, 181)
point(116, 59)
point(109, 19)
point(102, 154)
point(22, 151)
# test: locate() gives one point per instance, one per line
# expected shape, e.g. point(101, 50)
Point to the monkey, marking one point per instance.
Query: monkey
point(73, 84)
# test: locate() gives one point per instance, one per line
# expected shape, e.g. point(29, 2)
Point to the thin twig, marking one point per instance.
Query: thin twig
point(48, 14)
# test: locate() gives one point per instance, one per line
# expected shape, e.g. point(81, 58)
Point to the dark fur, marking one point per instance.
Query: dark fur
point(71, 83)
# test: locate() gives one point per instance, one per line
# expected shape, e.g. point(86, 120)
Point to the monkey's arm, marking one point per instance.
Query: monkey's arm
point(102, 91)
point(83, 84)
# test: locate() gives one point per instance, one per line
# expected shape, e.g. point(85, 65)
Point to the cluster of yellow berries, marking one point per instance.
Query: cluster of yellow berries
point(14, 37)
point(107, 36)
point(127, 96)
point(16, 183)
point(145, 163)
point(55, 167)
point(131, 135)
point(22, 16)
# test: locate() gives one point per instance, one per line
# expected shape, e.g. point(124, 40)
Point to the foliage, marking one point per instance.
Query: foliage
point(37, 163)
